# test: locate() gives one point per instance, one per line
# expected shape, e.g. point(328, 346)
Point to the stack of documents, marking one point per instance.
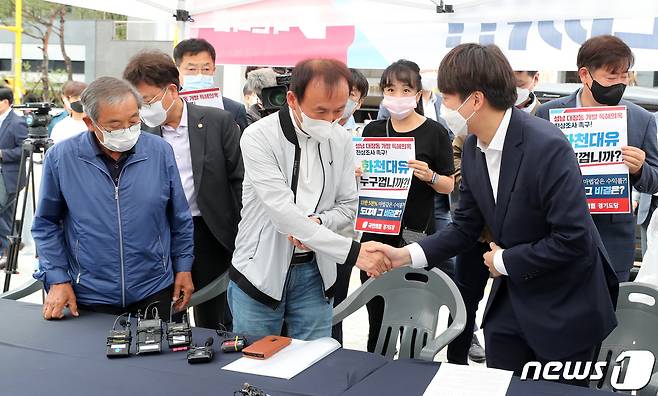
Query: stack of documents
point(290, 361)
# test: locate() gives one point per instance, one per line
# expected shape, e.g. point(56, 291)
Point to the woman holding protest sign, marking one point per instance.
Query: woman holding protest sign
point(432, 168)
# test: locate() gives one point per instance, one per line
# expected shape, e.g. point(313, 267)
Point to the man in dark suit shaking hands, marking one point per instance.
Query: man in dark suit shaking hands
point(552, 297)
point(206, 144)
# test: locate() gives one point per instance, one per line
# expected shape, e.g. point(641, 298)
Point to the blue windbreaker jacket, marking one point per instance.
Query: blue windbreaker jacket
point(116, 245)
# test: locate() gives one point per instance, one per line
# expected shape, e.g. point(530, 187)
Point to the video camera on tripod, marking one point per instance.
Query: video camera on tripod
point(37, 117)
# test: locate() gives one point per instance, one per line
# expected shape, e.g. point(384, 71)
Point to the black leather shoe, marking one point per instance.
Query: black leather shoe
point(476, 352)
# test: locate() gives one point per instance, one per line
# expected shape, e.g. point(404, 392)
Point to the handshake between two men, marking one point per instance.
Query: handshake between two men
point(376, 258)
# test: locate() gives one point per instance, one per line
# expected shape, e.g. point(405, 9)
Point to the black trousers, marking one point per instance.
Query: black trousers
point(507, 347)
point(471, 275)
point(340, 294)
point(160, 300)
point(211, 259)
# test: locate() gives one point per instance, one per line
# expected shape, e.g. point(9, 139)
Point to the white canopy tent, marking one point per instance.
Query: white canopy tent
point(534, 34)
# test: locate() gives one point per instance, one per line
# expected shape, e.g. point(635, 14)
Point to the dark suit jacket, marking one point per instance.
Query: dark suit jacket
point(238, 112)
point(560, 283)
point(217, 169)
point(12, 134)
point(618, 230)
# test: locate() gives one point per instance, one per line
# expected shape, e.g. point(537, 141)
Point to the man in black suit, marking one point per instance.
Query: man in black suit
point(195, 59)
point(206, 144)
point(603, 64)
point(13, 131)
point(554, 290)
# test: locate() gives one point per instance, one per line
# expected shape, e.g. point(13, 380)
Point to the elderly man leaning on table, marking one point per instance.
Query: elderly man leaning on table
point(112, 227)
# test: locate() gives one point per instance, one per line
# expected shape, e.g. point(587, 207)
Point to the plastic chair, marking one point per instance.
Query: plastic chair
point(412, 299)
point(210, 291)
point(637, 330)
point(23, 291)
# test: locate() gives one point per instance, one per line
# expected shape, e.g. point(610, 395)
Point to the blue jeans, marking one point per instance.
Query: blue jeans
point(303, 306)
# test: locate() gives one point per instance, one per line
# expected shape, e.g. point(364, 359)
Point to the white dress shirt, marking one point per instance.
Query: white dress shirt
point(493, 154)
point(429, 109)
point(67, 128)
point(4, 116)
point(179, 139)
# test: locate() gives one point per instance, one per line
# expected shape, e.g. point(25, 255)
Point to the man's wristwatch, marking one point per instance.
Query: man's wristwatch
point(434, 177)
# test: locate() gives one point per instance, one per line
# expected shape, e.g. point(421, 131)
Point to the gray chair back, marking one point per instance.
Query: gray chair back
point(412, 299)
point(637, 329)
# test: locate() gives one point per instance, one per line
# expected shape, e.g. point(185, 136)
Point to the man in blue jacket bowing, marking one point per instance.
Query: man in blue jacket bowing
point(113, 227)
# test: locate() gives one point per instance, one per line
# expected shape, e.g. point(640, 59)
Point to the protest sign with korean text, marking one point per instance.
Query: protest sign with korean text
point(597, 135)
point(209, 97)
point(384, 184)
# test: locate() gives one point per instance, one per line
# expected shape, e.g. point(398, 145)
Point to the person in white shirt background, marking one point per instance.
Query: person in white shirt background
point(73, 124)
point(526, 81)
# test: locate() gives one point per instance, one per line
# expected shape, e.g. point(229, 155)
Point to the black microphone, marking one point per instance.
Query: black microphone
point(123, 323)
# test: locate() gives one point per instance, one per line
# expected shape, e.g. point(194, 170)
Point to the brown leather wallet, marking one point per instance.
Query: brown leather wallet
point(266, 347)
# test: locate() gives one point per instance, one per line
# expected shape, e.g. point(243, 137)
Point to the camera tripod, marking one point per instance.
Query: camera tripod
point(32, 145)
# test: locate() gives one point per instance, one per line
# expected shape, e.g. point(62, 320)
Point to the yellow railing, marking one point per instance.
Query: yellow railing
point(18, 55)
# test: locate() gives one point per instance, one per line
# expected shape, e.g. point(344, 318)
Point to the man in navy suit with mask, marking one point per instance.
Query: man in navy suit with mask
point(553, 292)
point(603, 64)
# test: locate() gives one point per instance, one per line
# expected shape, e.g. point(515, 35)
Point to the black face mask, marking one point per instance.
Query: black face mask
point(77, 107)
point(609, 96)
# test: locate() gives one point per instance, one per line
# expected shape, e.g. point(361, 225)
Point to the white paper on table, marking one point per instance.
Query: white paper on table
point(288, 362)
point(458, 380)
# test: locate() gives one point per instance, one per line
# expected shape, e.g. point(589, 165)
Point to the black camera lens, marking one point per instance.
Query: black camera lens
point(279, 98)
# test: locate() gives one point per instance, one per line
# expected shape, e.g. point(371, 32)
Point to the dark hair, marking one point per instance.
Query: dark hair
point(192, 47)
point(607, 52)
point(406, 72)
point(153, 68)
point(6, 94)
point(360, 82)
point(473, 67)
point(73, 88)
point(331, 71)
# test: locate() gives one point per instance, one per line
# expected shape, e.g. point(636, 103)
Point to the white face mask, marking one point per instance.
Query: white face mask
point(456, 122)
point(399, 106)
point(350, 107)
point(154, 114)
point(522, 94)
point(319, 130)
point(120, 140)
point(195, 82)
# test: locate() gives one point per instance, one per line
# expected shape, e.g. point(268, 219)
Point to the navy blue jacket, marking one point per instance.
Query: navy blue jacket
point(117, 245)
point(237, 110)
point(12, 134)
point(560, 283)
point(618, 230)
